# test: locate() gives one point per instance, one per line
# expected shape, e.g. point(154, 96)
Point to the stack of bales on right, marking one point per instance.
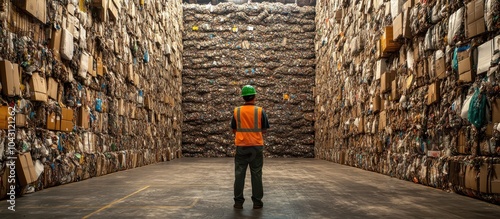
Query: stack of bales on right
point(411, 90)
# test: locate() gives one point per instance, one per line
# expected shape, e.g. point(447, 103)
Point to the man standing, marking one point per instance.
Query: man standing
point(249, 123)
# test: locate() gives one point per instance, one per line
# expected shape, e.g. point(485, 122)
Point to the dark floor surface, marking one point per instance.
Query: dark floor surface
point(202, 188)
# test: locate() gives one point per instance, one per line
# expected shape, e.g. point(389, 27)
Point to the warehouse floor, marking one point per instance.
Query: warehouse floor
point(202, 188)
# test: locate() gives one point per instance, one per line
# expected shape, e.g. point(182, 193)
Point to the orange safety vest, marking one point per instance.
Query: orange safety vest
point(249, 126)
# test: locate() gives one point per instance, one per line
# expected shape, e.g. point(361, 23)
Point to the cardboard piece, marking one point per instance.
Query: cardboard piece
point(52, 88)
point(380, 68)
point(361, 125)
point(25, 169)
point(113, 10)
point(464, 63)
point(67, 114)
point(394, 90)
point(386, 81)
point(100, 67)
point(53, 122)
point(83, 118)
point(66, 126)
point(475, 28)
point(401, 27)
point(9, 74)
point(4, 115)
point(433, 93)
point(489, 178)
point(471, 178)
point(36, 8)
point(55, 43)
point(475, 11)
point(461, 142)
point(382, 122)
point(38, 88)
point(467, 77)
point(21, 120)
point(440, 68)
point(387, 44)
point(377, 102)
point(495, 111)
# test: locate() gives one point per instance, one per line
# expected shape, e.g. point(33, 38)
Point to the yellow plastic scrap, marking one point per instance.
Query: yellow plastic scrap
point(195, 28)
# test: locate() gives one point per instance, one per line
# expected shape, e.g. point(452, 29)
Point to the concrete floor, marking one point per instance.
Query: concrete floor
point(202, 188)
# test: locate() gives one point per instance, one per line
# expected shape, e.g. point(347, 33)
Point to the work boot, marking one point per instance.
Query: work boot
point(238, 205)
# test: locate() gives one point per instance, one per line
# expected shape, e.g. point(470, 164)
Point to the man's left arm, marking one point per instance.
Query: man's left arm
point(233, 125)
point(264, 122)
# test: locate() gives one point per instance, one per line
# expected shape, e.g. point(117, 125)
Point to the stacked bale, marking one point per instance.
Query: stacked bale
point(268, 45)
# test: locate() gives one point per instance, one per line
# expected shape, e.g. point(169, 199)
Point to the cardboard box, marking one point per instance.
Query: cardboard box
point(55, 43)
point(475, 11)
point(25, 169)
point(471, 178)
point(397, 25)
point(386, 81)
point(66, 125)
point(21, 120)
point(36, 8)
point(394, 91)
point(100, 67)
point(377, 103)
point(53, 122)
point(4, 115)
point(83, 118)
point(9, 74)
point(67, 114)
point(361, 125)
point(387, 44)
point(406, 24)
point(382, 122)
point(38, 88)
point(464, 64)
point(401, 27)
point(495, 111)
point(113, 10)
point(52, 88)
point(489, 180)
point(461, 144)
point(475, 28)
point(467, 77)
point(440, 68)
point(381, 67)
point(433, 93)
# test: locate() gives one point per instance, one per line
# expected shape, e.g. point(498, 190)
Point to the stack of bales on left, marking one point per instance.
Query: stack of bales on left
point(88, 87)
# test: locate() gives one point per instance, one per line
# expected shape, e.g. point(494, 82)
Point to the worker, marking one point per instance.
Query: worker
point(249, 123)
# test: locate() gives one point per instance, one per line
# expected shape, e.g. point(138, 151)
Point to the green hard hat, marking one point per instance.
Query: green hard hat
point(248, 90)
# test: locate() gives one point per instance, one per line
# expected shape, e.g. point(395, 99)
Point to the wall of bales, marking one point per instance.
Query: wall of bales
point(268, 45)
point(100, 87)
point(400, 107)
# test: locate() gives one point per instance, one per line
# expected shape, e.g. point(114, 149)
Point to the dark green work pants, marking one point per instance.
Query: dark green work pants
point(253, 157)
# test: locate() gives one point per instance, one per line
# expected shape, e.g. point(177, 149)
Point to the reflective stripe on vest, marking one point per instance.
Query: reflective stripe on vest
point(255, 122)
